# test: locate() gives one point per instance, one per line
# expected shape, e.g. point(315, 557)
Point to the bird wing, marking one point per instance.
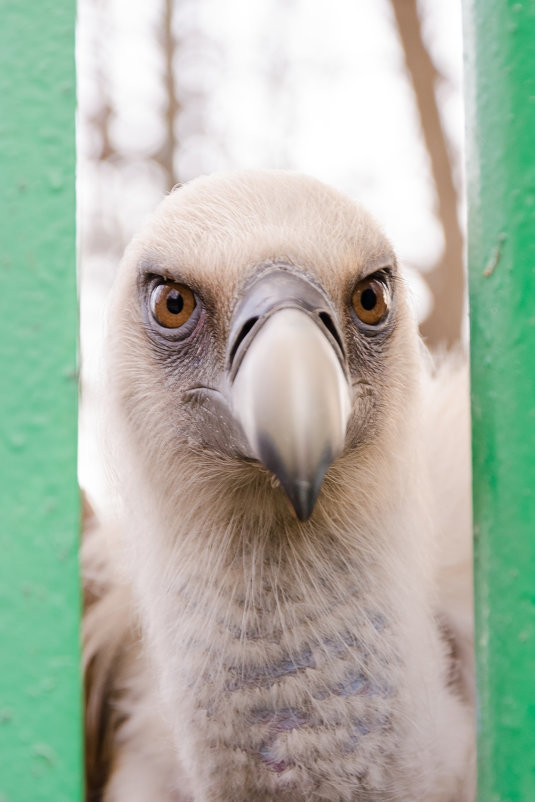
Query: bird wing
point(128, 750)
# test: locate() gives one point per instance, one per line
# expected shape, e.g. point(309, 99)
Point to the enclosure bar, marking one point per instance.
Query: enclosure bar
point(500, 103)
point(40, 699)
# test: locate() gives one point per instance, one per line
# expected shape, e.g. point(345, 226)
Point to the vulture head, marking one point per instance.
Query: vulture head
point(260, 320)
point(264, 392)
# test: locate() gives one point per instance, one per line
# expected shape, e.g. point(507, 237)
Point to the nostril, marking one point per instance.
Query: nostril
point(245, 329)
point(327, 321)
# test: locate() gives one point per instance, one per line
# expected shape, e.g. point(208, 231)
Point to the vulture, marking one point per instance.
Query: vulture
point(280, 608)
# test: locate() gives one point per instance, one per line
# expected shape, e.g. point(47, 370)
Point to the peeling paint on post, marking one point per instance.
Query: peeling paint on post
point(40, 698)
point(500, 103)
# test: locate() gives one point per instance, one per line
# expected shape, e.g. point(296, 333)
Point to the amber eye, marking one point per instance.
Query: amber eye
point(172, 304)
point(371, 301)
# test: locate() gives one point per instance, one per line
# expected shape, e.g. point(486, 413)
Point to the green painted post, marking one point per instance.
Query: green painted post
point(500, 102)
point(40, 697)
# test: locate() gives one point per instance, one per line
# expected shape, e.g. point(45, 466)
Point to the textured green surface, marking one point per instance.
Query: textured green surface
point(40, 753)
point(500, 80)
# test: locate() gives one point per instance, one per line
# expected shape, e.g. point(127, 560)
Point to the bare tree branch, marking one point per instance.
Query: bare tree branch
point(165, 157)
point(446, 280)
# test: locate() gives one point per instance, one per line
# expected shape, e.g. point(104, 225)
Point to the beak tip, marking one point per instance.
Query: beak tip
point(302, 491)
point(303, 497)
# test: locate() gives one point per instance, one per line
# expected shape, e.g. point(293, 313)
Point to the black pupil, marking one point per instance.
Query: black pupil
point(368, 299)
point(175, 302)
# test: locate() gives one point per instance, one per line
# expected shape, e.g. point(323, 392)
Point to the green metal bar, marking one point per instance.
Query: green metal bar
point(40, 697)
point(500, 101)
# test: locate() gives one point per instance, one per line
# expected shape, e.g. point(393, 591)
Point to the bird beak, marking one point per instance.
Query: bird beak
point(289, 390)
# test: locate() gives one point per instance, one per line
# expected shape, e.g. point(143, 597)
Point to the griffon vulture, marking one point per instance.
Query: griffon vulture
point(284, 612)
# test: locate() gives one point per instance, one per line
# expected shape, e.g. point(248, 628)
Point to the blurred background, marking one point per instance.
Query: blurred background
point(364, 95)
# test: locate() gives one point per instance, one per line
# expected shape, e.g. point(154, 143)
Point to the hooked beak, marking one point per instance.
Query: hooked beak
point(289, 387)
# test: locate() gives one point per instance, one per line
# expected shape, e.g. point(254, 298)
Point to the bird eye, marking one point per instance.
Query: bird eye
point(371, 301)
point(172, 304)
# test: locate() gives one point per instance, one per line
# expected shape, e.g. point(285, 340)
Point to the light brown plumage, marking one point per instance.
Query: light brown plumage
point(233, 651)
